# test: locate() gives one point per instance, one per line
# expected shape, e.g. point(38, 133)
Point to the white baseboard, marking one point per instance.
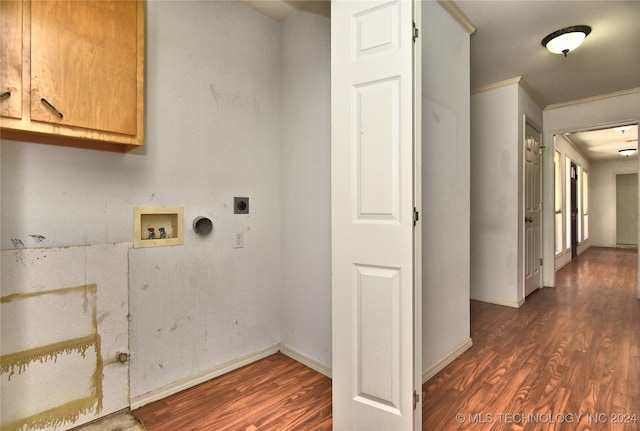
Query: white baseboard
point(305, 360)
point(439, 366)
point(497, 301)
point(196, 379)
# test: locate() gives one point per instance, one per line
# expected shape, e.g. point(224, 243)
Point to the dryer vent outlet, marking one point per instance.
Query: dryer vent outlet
point(240, 205)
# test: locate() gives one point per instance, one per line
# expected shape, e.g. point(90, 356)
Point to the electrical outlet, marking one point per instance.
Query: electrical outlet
point(239, 240)
point(240, 205)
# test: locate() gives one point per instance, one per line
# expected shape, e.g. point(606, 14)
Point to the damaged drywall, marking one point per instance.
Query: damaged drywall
point(60, 335)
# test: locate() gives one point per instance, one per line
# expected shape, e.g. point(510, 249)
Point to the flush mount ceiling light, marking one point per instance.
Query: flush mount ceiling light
point(566, 39)
point(627, 152)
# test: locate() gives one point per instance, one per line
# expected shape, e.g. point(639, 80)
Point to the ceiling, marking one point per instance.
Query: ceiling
point(507, 44)
point(601, 145)
point(280, 9)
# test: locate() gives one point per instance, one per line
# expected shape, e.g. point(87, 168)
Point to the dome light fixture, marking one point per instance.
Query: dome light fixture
point(622, 128)
point(627, 152)
point(567, 39)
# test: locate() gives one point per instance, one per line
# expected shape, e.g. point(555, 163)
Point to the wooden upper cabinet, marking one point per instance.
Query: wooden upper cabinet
point(11, 59)
point(83, 74)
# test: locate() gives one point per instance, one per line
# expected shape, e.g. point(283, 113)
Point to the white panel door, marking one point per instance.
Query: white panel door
point(374, 315)
point(532, 210)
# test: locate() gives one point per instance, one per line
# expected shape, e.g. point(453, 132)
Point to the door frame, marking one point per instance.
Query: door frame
point(577, 124)
point(528, 121)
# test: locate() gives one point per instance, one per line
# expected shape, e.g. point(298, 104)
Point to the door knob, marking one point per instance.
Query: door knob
point(530, 219)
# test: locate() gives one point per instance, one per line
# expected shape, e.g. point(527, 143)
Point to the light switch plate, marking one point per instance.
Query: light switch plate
point(239, 240)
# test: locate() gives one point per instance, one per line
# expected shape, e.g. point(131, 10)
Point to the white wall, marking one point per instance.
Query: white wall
point(65, 323)
point(212, 133)
point(494, 195)
point(445, 189)
point(497, 191)
point(602, 199)
point(305, 319)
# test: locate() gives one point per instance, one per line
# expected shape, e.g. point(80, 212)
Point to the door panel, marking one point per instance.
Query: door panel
point(75, 68)
point(377, 151)
point(372, 216)
point(533, 209)
point(11, 59)
point(378, 337)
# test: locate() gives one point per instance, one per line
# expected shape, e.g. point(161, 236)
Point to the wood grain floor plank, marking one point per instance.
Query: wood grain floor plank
point(275, 393)
point(573, 349)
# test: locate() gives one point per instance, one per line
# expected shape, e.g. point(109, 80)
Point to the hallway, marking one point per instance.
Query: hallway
point(570, 350)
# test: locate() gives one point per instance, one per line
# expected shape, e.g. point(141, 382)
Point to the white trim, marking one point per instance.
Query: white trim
point(456, 13)
point(520, 81)
point(305, 360)
point(234, 364)
point(495, 85)
point(593, 98)
point(497, 301)
point(446, 360)
point(201, 377)
point(563, 258)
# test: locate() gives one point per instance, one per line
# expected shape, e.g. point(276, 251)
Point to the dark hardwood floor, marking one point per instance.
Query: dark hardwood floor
point(275, 393)
point(568, 351)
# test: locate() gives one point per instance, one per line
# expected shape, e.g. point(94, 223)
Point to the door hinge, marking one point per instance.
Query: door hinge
point(415, 32)
point(416, 399)
point(540, 261)
point(416, 216)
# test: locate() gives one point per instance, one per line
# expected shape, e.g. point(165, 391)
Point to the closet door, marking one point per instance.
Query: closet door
point(375, 316)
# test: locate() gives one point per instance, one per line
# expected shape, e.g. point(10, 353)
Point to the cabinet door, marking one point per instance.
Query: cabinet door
point(11, 58)
point(84, 64)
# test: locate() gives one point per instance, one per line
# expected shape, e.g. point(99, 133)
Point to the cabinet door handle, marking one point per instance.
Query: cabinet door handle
point(50, 106)
point(5, 94)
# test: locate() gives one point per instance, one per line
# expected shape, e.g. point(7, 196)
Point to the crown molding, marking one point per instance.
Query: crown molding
point(495, 85)
point(457, 14)
point(518, 80)
point(593, 98)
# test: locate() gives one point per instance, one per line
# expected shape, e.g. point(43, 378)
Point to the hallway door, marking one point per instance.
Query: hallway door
point(532, 210)
point(627, 210)
point(573, 197)
point(375, 316)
